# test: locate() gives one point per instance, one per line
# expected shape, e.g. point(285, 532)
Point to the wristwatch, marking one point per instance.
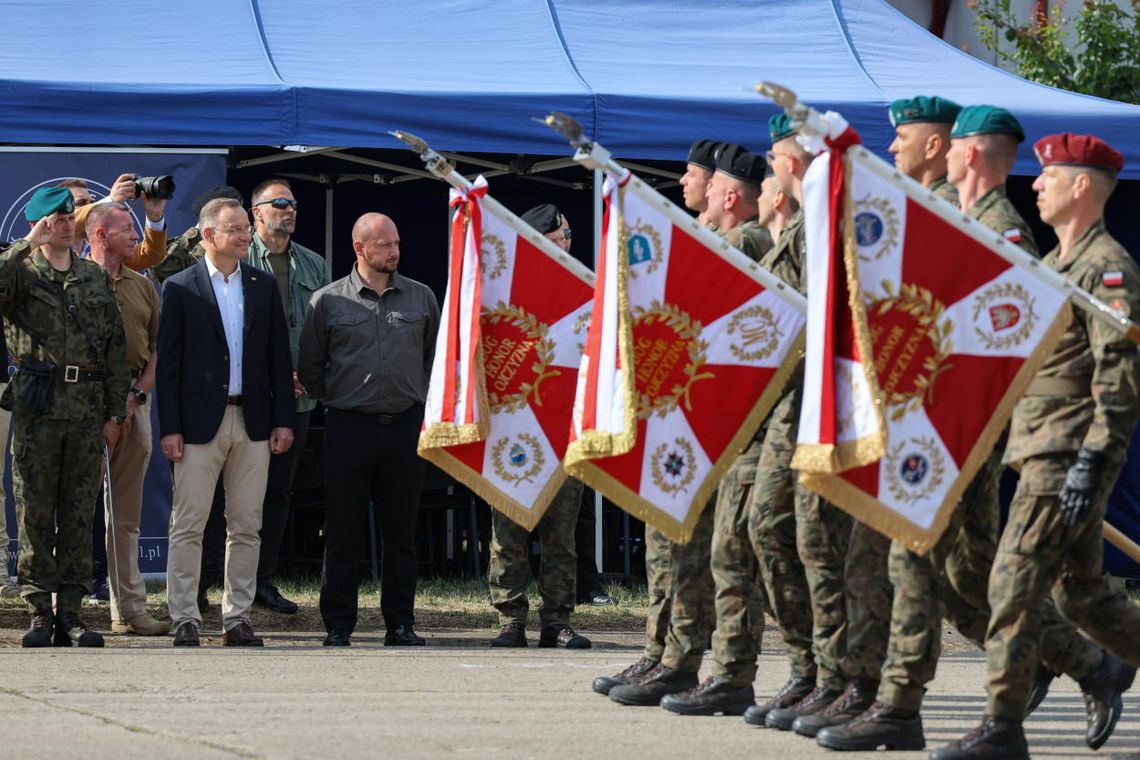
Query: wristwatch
point(140, 396)
point(118, 419)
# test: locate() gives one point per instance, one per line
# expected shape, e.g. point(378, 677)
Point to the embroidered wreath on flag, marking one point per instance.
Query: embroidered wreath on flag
point(927, 314)
point(688, 330)
point(674, 463)
point(890, 219)
point(935, 463)
point(1027, 317)
point(518, 460)
point(650, 232)
point(492, 247)
point(533, 330)
point(756, 325)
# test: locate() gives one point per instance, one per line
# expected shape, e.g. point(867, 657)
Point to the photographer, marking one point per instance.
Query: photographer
point(127, 188)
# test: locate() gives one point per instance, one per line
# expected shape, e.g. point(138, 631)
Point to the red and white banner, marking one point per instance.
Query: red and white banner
point(921, 338)
point(689, 345)
point(501, 391)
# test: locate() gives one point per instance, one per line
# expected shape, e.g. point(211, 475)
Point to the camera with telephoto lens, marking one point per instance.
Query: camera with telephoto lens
point(159, 188)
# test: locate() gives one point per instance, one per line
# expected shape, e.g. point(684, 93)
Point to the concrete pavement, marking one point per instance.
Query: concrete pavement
point(454, 698)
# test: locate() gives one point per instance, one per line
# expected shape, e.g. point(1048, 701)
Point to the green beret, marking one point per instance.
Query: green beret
point(779, 127)
point(47, 201)
point(923, 108)
point(986, 120)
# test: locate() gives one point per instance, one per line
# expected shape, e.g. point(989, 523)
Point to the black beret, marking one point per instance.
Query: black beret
point(703, 153)
point(738, 163)
point(224, 191)
point(545, 218)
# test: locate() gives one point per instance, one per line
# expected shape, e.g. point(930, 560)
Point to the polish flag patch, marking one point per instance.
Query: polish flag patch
point(1112, 279)
point(1013, 236)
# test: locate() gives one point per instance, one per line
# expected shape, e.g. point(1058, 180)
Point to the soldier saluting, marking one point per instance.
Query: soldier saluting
point(63, 329)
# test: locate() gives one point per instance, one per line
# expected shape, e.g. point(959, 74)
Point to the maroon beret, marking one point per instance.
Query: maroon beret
point(1068, 149)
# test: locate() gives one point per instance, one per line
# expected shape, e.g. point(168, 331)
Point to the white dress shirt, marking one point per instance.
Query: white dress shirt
point(231, 304)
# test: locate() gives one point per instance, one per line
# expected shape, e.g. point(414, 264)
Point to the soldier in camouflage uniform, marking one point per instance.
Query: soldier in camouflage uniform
point(775, 207)
point(64, 332)
point(509, 573)
point(1069, 435)
point(698, 174)
point(739, 600)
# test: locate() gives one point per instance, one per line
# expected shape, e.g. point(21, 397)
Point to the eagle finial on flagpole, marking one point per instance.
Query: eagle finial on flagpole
point(435, 163)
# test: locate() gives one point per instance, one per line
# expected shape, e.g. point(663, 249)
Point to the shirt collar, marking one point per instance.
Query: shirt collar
point(358, 283)
point(258, 248)
point(216, 274)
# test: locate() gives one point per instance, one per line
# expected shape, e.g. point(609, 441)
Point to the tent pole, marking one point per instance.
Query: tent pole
point(598, 532)
point(329, 225)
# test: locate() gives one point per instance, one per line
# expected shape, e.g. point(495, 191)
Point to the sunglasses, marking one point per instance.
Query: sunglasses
point(279, 203)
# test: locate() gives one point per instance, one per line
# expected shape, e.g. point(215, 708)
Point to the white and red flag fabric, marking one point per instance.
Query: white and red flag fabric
point(920, 340)
point(510, 341)
point(689, 345)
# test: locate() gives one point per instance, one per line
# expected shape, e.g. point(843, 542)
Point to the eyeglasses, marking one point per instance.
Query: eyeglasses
point(770, 155)
point(279, 203)
point(566, 234)
point(235, 230)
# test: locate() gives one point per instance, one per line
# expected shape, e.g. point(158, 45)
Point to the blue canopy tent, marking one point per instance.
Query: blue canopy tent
point(644, 78)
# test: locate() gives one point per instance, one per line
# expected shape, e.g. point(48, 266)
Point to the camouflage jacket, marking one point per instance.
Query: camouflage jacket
point(996, 212)
point(786, 258)
point(1089, 354)
point(38, 327)
point(182, 252)
point(751, 238)
point(944, 190)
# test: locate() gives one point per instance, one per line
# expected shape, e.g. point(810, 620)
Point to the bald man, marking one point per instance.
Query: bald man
point(366, 351)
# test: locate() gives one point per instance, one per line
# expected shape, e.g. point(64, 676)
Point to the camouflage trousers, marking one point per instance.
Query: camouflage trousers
point(1037, 557)
point(509, 571)
point(950, 581)
point(55, 481)
point(739, 600)
point(846, 566)
point(5, 421)
point(678, 628)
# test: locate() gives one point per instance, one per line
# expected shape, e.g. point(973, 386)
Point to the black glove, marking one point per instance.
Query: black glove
point(1081, 484)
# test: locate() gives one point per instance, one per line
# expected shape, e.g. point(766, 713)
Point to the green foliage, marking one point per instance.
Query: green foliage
point(1105, 61)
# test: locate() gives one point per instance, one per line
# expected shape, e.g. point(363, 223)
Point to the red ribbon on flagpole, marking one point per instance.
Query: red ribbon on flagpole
point(466, 227)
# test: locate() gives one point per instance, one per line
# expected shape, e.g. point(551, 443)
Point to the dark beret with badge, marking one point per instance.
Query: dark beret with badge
point(922, 108)
point(545, 218)
point(780, 127)
point(47, 201)
point(703, 153)
point(1068, 149)
point(737, 162)
point(986, 120)
point(222, 191)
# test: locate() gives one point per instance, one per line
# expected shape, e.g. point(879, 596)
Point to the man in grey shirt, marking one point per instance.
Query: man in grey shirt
point(366, 351)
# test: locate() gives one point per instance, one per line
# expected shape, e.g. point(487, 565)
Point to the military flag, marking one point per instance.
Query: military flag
point(510, 340)
point(924, 328)
point(689, 345)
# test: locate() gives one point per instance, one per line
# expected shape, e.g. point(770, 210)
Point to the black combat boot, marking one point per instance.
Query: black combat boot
point(880, 726)
point(855, 699)
point(1102, 689)
point(511, 635)
point(70, 631)
point(654, 685)
point(782, 718)
point(39, 634)
point(789, 694)
point(993, 739)
point(603, 684)
point(712, 696)
point(1040, 689)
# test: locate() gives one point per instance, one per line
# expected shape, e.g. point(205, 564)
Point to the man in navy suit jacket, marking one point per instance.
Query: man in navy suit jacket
point(225, 403)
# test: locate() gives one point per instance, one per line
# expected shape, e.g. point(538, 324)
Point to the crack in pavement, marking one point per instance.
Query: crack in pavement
point(134, 728)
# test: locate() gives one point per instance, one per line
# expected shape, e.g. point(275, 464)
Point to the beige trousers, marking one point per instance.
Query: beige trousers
point(244, 465)
point(123, 512)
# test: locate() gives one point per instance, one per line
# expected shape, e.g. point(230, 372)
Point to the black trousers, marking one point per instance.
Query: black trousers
point(370, 459)
point(589, 579)
point(278, 499)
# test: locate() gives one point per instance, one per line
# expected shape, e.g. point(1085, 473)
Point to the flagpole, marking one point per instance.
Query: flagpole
point(809, 122)
point(440, 167)
point(594, 156)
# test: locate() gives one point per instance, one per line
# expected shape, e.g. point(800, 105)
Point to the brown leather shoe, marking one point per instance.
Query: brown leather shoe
point(186, 635)
point(603, 684)
point(782, 718)
point(789, 694)
point(241, 635)
point(141, 625)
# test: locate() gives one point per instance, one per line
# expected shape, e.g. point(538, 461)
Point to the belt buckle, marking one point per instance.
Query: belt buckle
point(71, 373)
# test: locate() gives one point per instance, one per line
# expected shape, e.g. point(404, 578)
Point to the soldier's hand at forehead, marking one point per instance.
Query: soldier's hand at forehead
point(124, 189)
point(41, 231)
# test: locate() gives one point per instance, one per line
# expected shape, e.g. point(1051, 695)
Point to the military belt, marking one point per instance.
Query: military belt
point(1059, 386)
point(75, 374)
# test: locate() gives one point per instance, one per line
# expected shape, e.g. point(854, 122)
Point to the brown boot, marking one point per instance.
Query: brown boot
point(855, 699)
point(994, 739)
point(789, 694)
point(603, 684)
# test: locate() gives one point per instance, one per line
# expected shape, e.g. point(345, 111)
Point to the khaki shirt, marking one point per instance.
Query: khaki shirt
point(996, 212)
point(366, 351)
point(786, 258)
point(138, 303)
point(751, 238)
point(1089, 353)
